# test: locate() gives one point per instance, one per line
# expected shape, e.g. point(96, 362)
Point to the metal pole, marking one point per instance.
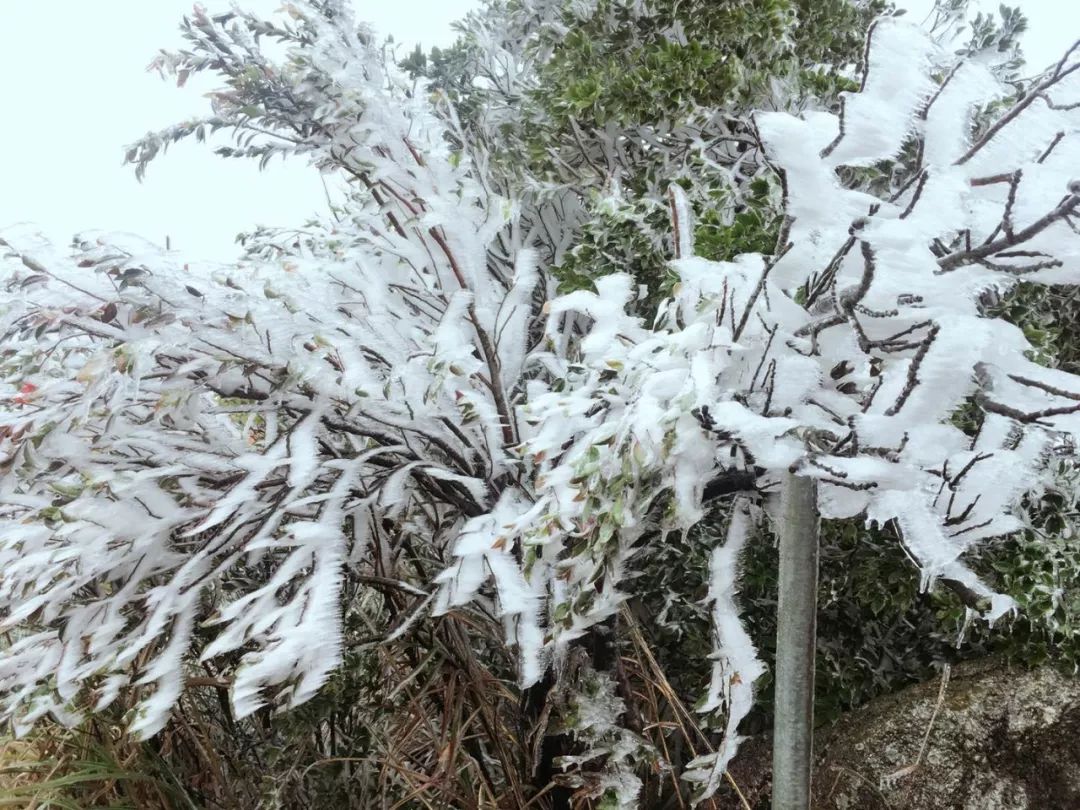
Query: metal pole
point(793, 733)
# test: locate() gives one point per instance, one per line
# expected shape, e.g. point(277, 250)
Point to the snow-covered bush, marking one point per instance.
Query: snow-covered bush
point(195, 458)
point(854, 380)
point(597, 107)
point(174, 426)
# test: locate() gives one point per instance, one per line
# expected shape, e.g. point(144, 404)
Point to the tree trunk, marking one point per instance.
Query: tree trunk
point(793, 735)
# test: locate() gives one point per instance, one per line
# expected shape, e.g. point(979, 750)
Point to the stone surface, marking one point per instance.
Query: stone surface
point(1004, 738)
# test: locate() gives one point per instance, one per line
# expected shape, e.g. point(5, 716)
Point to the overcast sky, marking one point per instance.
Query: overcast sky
point(75, 91)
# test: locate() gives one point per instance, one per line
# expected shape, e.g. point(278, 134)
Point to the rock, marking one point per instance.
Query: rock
point(1004, 738)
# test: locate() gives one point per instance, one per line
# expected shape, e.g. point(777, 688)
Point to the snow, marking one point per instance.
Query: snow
point(736, 665)
point(405, 367)
point(877, 120)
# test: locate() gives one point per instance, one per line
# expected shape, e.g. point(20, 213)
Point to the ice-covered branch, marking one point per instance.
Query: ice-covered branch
point(173, 426)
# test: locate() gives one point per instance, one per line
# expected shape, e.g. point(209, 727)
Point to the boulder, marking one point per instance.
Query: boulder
point(996, 738)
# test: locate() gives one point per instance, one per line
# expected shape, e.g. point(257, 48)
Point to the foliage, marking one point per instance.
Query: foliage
point(599, 106)
point(877, 631)
point(620, 63)
point(126, 465)
point(99, 765)
point(380, 457)
point(888, 270)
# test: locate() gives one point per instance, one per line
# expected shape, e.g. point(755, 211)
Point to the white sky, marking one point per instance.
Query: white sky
point(75, 92)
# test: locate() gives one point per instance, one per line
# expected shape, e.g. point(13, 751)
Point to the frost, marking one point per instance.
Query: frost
point(184, 426)
point(223, 446)
point(736, 665)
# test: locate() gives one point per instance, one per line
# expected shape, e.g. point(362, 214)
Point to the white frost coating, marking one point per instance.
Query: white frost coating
point(1000, 604)
point(876, 121)
point(515, 311)
point(167, 675)
point(597, 707)
point(735, 663)
point(682, 220)
point(402, 376)
point(952, 111)
point(487, 545)
point(273, 418)
point(859, 388)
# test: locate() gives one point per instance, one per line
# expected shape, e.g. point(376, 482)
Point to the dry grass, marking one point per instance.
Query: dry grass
point(429, 722)
point(93, 766)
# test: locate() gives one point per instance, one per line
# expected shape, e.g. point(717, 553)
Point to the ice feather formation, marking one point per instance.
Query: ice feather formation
point(193, 454)
point(196, 457)
point(858, 385)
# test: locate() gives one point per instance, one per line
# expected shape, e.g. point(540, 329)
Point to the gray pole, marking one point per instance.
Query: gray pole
point(793, 734)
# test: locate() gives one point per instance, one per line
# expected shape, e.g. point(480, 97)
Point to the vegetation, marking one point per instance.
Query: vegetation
point(350, 598)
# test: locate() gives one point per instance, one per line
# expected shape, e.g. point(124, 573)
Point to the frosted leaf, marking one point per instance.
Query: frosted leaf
point(226, 444)
point(198, 423)
point(948, 117)
point(736, 665)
